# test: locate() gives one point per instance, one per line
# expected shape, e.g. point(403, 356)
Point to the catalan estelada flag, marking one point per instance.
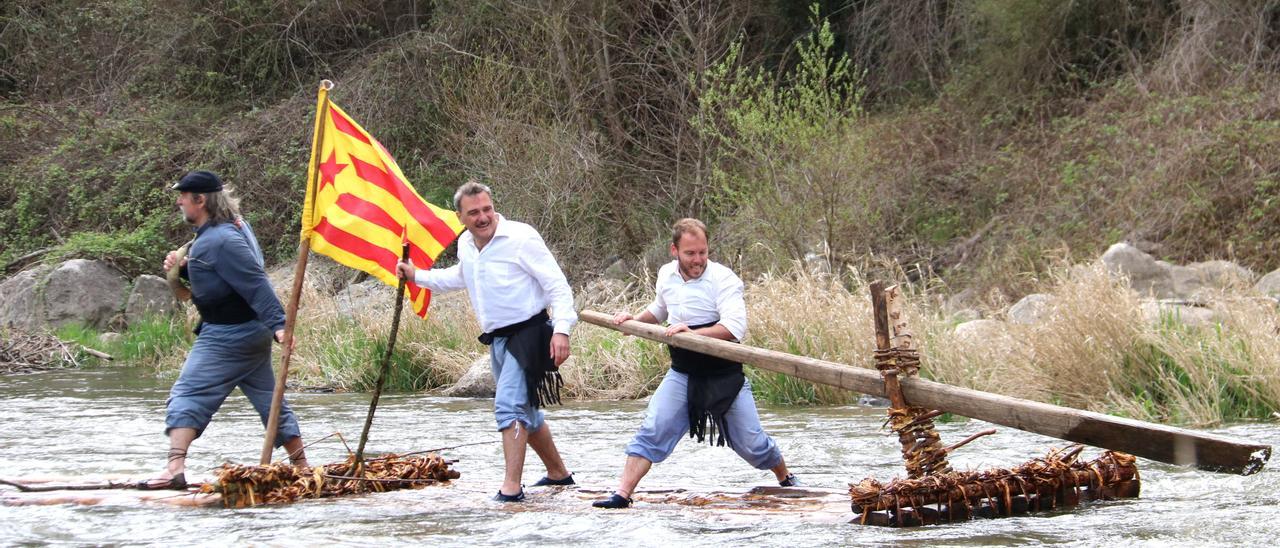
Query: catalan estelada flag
point(359, 208)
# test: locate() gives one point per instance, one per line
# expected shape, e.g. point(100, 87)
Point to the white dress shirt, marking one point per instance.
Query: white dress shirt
point(714, 297)
point(511, 279)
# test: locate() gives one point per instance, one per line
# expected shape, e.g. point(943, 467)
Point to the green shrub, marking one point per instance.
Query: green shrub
point(786, 157)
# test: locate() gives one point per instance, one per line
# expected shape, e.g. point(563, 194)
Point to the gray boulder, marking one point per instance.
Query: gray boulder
point(601, 292)
point(1199, 280)
point(476, 383)
point(1269, 285)
point(1145, 273)
point(867, 400)
point(617, 270)
point(1156, 311)
point(1033, 308)
point(1223, 274)
point(150, 296)
point(1166, 281)
point(323, 274)
point(20, 299)
point(370, 296)
point(981, 330)
point(966, 315)
point(1186, 283)
point(84, 291)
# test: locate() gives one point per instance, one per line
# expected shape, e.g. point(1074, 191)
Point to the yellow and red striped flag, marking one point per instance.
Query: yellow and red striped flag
point(359, 208)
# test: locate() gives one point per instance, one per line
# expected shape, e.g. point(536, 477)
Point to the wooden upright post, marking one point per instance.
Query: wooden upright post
point(290, 321)
point(922, 449)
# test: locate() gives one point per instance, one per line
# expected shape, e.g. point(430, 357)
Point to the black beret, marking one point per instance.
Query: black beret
point(199, 181)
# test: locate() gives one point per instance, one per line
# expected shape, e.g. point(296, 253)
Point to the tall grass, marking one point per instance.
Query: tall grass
point(1094, 350)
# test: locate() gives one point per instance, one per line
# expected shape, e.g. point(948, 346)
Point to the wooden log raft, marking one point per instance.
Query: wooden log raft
point(933, 492)
point(1054, 481)
point(250, 485)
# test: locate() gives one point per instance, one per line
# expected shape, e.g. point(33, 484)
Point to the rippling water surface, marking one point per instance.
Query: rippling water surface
point(109, 422)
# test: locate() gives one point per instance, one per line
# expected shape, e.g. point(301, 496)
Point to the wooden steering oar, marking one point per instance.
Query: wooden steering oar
point(386, 365)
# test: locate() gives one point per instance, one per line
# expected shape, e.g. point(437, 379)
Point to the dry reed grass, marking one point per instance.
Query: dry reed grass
point(1094, 348)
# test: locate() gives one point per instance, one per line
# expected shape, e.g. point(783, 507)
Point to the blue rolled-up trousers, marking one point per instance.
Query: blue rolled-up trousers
point(226, 356)
point(666, 421)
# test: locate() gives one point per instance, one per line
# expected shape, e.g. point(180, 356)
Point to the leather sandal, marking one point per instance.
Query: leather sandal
point(176, 483)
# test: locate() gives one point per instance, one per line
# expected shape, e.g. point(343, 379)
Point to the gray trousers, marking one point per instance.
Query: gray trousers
point(225, 357)
point(667, 420)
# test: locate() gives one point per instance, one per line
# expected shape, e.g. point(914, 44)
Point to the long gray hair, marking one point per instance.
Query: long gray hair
point(223, 206)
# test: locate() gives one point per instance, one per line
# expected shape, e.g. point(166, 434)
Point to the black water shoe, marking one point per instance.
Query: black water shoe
point(791, 481)
point(567, 480)
point(614, 501)
point(501, 497)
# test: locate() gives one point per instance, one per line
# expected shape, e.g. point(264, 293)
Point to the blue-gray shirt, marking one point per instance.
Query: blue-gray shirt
point(225, 258)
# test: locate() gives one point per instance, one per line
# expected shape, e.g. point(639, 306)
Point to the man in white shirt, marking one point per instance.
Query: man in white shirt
point(512, 278)
point(701, 394)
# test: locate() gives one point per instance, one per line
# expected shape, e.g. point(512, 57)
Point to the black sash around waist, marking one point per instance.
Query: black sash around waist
point(714, 383)
point(530, 342)
point(230, 309)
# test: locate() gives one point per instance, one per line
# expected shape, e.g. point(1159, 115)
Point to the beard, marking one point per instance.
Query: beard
point(691, 270)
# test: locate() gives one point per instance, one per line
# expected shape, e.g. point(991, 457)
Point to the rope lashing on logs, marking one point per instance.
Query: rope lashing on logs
point(922, 448)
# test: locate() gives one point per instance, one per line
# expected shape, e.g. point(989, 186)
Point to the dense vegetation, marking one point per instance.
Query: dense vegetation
point(970, 144)
point(978, 140)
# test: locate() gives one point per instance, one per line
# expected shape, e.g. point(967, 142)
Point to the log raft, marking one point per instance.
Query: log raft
point(934, 493)
point(1152, 441)
point(1055, 481)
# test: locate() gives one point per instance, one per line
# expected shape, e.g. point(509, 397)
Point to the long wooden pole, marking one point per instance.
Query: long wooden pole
point(282, 376)
point(299, 272)
point(386, 366)
point(1153, 441)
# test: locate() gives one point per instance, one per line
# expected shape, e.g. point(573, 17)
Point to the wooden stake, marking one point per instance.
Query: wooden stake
point(386, 365)
point(290, 321)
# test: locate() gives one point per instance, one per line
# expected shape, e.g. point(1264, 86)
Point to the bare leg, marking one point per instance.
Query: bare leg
point(179, 441)
point(780, 471)
point(634, 470)
point(514, 439)
point(297, 455)
point(545, 447)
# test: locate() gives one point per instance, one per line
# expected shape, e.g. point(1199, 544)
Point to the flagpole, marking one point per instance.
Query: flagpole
point(386, 365)
point(300, 271)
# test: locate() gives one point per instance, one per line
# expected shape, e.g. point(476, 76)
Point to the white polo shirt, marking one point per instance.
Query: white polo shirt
point(511, 279)
point(713, 297)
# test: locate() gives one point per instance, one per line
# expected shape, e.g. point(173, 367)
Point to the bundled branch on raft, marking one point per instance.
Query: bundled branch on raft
point(250, 485)
point(1056, 480)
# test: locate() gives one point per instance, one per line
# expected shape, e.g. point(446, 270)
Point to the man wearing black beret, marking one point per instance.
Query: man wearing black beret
point(239, 317)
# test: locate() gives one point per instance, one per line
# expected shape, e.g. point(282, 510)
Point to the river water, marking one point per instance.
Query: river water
point(109, 423)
